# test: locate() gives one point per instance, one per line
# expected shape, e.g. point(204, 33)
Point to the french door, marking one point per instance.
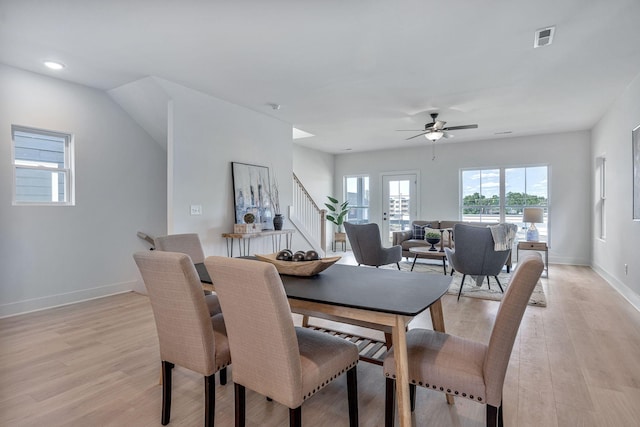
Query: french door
point(399, 204)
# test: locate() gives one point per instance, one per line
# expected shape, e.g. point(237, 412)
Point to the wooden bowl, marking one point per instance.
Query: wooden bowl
point(299, 268)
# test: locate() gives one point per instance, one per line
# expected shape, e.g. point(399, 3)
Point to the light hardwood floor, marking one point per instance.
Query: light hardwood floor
point(575, 363)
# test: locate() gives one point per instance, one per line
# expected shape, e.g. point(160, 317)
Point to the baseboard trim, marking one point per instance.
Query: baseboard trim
point(51, 301)
point(628, 294)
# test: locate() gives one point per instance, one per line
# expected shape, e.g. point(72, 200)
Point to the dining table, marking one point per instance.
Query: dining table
point(379, 298)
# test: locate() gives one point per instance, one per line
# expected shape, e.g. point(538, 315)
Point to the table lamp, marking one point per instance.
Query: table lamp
point(533, 216)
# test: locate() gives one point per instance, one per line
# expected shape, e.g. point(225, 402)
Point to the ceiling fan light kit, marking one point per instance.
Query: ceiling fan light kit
point(434, 135)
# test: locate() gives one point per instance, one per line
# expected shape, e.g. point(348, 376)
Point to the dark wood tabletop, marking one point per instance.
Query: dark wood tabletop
point(388, 291)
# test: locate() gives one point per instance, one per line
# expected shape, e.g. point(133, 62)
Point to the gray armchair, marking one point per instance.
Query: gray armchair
point(474, 254)
point(367, 246)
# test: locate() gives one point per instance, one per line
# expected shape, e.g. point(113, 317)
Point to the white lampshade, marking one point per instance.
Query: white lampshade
point(434, 135)
point(533, 215)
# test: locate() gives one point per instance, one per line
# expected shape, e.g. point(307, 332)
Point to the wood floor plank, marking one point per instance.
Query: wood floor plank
point(574, 363)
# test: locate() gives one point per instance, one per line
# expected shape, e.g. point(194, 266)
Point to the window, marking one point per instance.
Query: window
point(602, 166)
point(356, 190)
point(43, 167)
point(501, 194)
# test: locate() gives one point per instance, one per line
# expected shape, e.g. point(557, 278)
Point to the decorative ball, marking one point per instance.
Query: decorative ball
point(298, 256)
point(284, 255)
point(311, 256)
point(249, 218)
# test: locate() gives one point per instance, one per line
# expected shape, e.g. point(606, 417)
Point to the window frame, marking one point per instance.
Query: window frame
point(68, 170)
point(502, 205)
point(364, 208)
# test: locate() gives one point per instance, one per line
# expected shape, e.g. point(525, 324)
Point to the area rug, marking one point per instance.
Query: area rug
point(470, 289)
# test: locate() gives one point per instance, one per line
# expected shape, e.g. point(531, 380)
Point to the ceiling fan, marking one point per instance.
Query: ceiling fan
point(435, 130)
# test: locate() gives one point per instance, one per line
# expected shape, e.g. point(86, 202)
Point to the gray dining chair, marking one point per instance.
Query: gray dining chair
point(188, 335)
point(270, 355)
point(188, 243)
point(474, 254)
point(464, 368)
point(367, 246)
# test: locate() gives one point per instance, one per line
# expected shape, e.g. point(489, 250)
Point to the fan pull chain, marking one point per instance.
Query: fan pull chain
point(433, 151)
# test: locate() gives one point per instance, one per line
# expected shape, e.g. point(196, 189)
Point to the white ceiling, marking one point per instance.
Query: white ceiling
point(350, 72)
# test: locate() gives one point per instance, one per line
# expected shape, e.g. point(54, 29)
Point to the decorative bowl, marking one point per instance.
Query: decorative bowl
point(299, 268)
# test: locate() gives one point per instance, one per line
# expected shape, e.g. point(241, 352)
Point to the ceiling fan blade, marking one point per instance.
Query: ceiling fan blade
point(461, 127)
point(409, 130)
point(415, 136)
point(439, 124)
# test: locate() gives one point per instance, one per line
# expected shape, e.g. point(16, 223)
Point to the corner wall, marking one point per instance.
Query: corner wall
point(611, 138)
point(52, 255)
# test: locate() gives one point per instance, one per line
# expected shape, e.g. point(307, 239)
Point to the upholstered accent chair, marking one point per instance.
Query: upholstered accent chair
point(189, 336)
point(188, 243)
point(474, 254)
point(465, 368)
point(367, 246)
point(270, 355)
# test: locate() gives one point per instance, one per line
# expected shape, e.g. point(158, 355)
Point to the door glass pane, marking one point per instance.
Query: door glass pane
point(399, 206)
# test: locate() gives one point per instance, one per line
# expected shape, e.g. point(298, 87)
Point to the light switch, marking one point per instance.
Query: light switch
point(196, 209)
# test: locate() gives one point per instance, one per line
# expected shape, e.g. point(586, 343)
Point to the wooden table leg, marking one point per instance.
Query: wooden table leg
point(437, 319)
point(402, 372)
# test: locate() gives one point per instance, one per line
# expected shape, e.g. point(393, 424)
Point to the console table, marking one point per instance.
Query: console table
point(244, 240)
point(535, 246)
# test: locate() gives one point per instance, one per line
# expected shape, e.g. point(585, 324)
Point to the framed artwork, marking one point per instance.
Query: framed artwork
point(251, 194)
point(636, 173)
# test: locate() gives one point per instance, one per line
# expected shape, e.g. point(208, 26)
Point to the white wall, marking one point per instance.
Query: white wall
point(206, 134)
point(55, 255)
point(611, 137)
point(567, 155)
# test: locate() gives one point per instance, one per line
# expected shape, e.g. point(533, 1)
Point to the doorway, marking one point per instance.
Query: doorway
point(399, 203)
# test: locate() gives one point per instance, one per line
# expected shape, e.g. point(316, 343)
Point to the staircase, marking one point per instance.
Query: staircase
point(308, 218)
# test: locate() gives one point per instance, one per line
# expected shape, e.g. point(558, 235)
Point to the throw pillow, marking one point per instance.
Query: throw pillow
point(418, 231)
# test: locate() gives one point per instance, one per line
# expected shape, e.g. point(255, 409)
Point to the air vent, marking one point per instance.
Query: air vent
point(544, 36)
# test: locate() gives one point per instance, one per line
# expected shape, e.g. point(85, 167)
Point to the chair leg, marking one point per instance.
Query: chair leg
point(452, 271)
point(398, 264)
point(389, 402)
point(352, 395)
point(223, 376)
point(209, 400)
point(488, 284)
point(166, 392)
point(295, 417)
point(464, 276)
point(500, 420)
point(412, 396)
point(492, 416)
point(240, 407)
point(498, 280)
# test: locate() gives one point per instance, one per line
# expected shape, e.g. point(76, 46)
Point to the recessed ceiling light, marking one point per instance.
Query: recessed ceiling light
point(54, 65)
point(506, 132)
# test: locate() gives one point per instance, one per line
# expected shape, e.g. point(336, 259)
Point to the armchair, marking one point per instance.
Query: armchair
point(367, 246)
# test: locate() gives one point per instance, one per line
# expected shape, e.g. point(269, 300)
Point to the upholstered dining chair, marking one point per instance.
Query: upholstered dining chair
point(474, 254)
point(188, 243)
point(189, 336)
point(465, 368)
point(367, 246)
point(270, 355)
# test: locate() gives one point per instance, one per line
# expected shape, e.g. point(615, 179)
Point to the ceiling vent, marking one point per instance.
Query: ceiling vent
point(544, 36)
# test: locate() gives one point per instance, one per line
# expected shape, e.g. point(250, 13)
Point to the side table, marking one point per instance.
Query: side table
point(535, 246)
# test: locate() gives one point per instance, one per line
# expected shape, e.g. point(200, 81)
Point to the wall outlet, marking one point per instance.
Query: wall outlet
point(626, 269)
point(196, 209)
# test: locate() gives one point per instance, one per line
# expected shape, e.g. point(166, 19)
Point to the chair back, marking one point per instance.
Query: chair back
point(365, 242)
point(182, 318)
point(188, 243)
point(507, 323)
point(474, 251)
point(262, 337)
